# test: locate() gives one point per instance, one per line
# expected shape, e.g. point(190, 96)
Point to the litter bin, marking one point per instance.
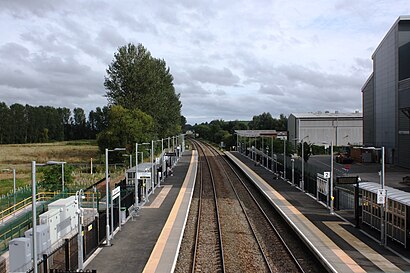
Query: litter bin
point(123, 215)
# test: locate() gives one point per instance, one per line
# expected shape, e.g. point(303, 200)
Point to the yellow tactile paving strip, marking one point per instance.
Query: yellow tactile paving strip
point(158, 250)
point(364, 249)
point(160, 198)
point(336, 259)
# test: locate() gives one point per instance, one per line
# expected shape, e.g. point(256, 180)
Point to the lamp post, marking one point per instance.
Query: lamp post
point(136, 173)
point(130, 158)
point(62, 170)
point(331, 179)
point(33, 208)
point(14, 185)
point(284, 158)
point(79, 196)
point(383, 218)
point(271, 143)
point(302, 182)
point(107, 194)
point(293, 171)
point(34, 212)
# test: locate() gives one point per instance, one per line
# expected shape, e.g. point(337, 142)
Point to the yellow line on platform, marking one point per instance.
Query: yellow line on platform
point(158, 250)
point(160, 198)
point(310, 227)
point(364, 249)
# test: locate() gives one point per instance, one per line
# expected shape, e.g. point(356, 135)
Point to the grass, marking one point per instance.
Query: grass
point(20, 156)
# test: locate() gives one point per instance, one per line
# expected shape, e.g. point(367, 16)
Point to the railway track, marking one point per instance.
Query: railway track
point(208, 249)
point(248, 240)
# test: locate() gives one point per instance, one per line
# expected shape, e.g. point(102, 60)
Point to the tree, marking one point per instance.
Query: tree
point(52, 177)
point(307, 150)
point(126, 127)
point(136, 80)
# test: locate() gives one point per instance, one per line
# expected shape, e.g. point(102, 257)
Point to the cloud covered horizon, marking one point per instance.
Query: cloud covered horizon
point(230, 60)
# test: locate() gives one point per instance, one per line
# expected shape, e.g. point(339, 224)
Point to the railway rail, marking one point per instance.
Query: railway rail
point(248, 240)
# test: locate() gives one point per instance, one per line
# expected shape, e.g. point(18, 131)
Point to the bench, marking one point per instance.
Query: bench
point(133, 212)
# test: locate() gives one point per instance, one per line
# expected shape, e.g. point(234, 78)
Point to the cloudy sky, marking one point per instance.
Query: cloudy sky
point(231, 59)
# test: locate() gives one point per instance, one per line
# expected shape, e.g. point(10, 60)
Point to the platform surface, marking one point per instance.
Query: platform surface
point(133, 246)
point(341, 246)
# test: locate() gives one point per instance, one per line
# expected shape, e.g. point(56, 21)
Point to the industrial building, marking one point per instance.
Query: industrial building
point(323, 128)
point(386, 95)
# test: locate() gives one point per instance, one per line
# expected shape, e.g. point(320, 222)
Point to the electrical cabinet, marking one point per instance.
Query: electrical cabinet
point(68, 216)
point(43, 239)
point(52, 219)
point(20, 254)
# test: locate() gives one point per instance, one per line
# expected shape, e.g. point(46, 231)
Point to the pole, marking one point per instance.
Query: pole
point(62, 176)
point(332, 198)
point(152, 167)
point(284, 159)
point(130, 161)
point(271, 143)
point(33, 203)
point(107, 194)
point(293, 171)
point(382, 228)
point(91, 169)
point(80, 232)
point(14, 188)
point(136, 176)
point(302, 182)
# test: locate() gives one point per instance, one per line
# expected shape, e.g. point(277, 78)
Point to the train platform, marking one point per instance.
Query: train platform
point(150, 242)
point(337, 243)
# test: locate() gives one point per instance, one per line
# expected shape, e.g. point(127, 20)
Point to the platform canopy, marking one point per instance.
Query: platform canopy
point(256, 133)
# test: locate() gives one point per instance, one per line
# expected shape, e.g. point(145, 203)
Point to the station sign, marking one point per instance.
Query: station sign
point(347, 179)
point(326, 175)
point(381, 196)
point(116, 192)
point(142, 175)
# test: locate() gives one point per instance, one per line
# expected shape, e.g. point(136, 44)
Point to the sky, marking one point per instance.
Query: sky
point(230, 59)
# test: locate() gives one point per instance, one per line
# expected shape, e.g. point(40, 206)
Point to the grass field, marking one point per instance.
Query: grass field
point(20, 156)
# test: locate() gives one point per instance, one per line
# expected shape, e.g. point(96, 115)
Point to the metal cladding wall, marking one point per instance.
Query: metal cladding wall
point(321, 129)
point(385, 95)
point(368, 112)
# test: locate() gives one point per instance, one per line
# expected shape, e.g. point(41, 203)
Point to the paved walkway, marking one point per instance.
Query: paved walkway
point(132, 247)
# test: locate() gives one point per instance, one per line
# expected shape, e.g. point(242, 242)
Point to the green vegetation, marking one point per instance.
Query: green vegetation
point(218, 131)
point(136, 80)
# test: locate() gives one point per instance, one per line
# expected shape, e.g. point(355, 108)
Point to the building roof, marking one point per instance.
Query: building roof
point(401, 18)
point(142, 167)
point(392, 193)
point(256, 133)
point(328, 115)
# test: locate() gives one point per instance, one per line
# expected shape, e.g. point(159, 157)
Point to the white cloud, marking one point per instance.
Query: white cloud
point(230, 59)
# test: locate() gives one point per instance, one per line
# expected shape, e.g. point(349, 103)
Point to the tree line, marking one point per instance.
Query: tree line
point(219, 131)
point(142, 105)
point(32, 124)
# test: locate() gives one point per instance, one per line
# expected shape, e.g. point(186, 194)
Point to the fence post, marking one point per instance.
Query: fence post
point(45, 263)
point(67, 254)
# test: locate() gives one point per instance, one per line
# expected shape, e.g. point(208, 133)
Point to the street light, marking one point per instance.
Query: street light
point(62, 170)
point(284, 158)
point(293, 171)
point(302, 182)
point(107, 193)
point(136, 173)
point(331, 179)
point(14, 185)
point(34, 212)
point(79, 196)
point(130, 156)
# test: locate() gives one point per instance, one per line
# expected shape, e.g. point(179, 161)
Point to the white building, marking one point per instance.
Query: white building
point(322, 128)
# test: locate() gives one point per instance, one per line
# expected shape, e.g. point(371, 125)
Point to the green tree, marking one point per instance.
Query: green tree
point(126, 127)
point(52, 177)
point(307, 150)
point(136, 80)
